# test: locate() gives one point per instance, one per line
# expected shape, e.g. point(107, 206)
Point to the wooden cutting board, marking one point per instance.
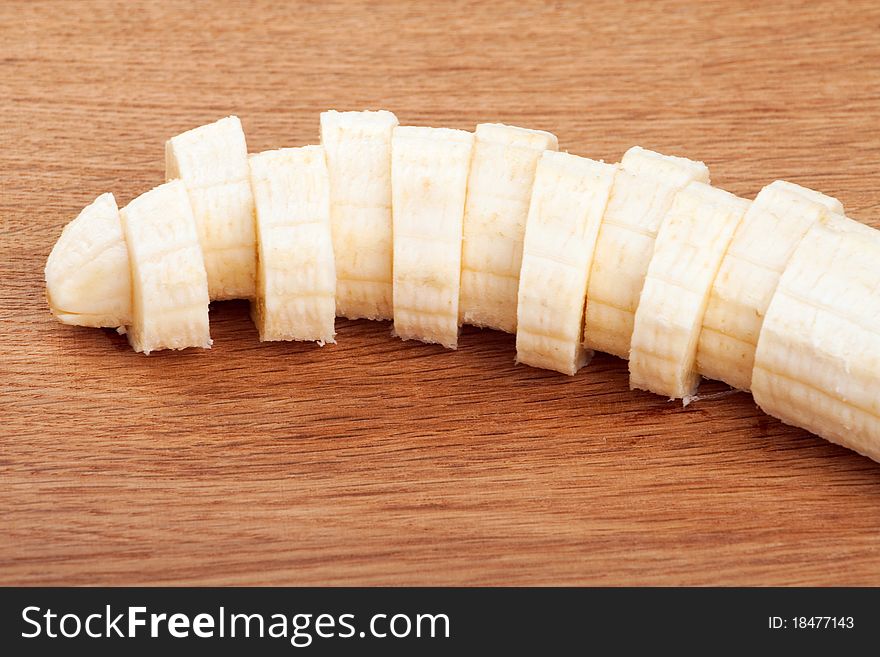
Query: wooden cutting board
point(376, 461)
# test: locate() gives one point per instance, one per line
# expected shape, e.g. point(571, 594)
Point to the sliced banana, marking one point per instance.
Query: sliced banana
point(358, 149)
point(296, 273)
point(429, 172)
point(772, 228)
point(644, 188)
point(438, 227)
point(818, 354)
point(692, 240)
point(87, 274)
point(169, 283)
point(569, 197)
point(499, 188)
point(211, 160)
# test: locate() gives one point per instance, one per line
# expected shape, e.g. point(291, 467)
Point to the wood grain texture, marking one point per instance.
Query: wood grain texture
point(381, 462)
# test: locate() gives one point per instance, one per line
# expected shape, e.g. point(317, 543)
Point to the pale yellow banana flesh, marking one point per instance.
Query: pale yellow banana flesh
point(644, 188)
point(770, 231)
point(296, 276)
point(436, 227)
point(499, 188)
point(568, 200)
point(87, 272)
point(429, 172)
point(818, 355)
point(690, 245)
point(168, 279)
point(358, 150)
point(211, 160)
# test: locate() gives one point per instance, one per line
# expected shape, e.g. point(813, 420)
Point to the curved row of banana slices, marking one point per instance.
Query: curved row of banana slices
point(435, 227)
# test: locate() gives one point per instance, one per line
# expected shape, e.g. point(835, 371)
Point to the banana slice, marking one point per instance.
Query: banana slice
point(212, 162)
point(296, 273)
point(429, 171)
point(692, 240)
point(358, 148)
point(644, 188)
point(568, 200)
point(169, 283)
point(499, 188)
point(818, 353)
point(87, 275)
point(772, 228)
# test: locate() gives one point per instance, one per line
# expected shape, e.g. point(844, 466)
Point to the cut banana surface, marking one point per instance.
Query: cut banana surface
point(169, 284)
point(87, 273)
point(358, 149)
point(772, 228)
point(434, 227)
point(429, 172)
point(296, 275)
point(644, 187)
point(691, 242)
point(211, 160)
point(818, 354)
point(568, 200)
point(499, 188)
